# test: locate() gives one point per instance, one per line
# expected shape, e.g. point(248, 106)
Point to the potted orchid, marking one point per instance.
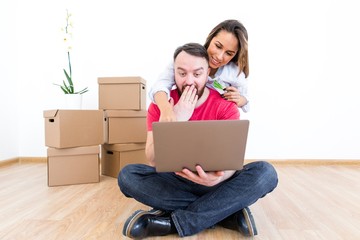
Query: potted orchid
point(68, 86)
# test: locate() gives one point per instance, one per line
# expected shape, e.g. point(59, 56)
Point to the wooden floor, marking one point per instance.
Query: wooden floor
point(310, 202)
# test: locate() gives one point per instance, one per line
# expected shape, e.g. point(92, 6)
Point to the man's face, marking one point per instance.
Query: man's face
point(190, 70)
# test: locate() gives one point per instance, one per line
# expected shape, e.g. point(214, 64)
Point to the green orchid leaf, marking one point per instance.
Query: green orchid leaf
point(64, 90)
point(82, 91)
point(68, 88)
point(71, 85)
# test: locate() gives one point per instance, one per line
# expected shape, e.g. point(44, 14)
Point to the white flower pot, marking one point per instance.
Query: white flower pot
point(73, 101)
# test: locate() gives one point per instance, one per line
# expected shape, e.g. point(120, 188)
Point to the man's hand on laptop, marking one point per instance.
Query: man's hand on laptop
point(184, 108)
point(205, 178)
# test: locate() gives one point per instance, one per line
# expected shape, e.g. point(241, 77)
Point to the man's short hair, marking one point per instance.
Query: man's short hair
point(193, 49)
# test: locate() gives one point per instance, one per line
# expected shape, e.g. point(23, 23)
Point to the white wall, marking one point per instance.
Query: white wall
point(304, 57)
point(9, 143)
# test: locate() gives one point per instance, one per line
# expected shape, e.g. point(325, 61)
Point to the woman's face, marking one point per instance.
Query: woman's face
point(222, 48)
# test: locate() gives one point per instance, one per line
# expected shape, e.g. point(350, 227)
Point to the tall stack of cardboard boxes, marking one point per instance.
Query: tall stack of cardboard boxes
point(123, 100)
point(117, 132)
point(73, 138)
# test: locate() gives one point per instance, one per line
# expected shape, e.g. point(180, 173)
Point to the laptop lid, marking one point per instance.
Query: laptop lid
point(213, 144)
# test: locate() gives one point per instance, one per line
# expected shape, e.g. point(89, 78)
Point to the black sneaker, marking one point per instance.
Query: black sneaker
point(137, 214)
point(142, 224)
point(241, 221)
point(156, 212)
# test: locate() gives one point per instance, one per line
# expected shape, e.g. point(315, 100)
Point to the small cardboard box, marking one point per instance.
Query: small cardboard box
point(124, 126)
point(69, 166)
point(73, 128)
point(115, 156)
point(122, 93)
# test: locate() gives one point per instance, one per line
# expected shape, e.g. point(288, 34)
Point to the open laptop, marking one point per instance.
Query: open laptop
point(215, 145)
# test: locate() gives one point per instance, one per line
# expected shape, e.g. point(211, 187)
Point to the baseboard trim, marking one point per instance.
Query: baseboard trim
point(310, 162)
point(20, 160)
point(9, 161)
point(32, 160)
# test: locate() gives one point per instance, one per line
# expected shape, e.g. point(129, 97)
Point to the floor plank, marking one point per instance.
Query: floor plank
point(310, 202)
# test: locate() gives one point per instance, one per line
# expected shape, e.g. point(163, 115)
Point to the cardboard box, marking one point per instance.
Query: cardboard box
point(73, 128)
point(124, 126)
point(69, 166)
point(115, 156)
point(122, 93)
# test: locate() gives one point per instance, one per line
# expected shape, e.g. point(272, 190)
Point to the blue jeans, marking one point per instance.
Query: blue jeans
point(196, 207)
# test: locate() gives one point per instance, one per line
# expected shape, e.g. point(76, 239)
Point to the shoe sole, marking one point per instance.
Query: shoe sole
point(134, 217)
point(250, 222)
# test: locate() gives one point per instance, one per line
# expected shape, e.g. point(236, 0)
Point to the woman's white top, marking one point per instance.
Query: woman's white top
point(226, 75)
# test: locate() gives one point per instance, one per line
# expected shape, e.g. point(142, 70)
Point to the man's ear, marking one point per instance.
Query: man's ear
point(209, 69)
